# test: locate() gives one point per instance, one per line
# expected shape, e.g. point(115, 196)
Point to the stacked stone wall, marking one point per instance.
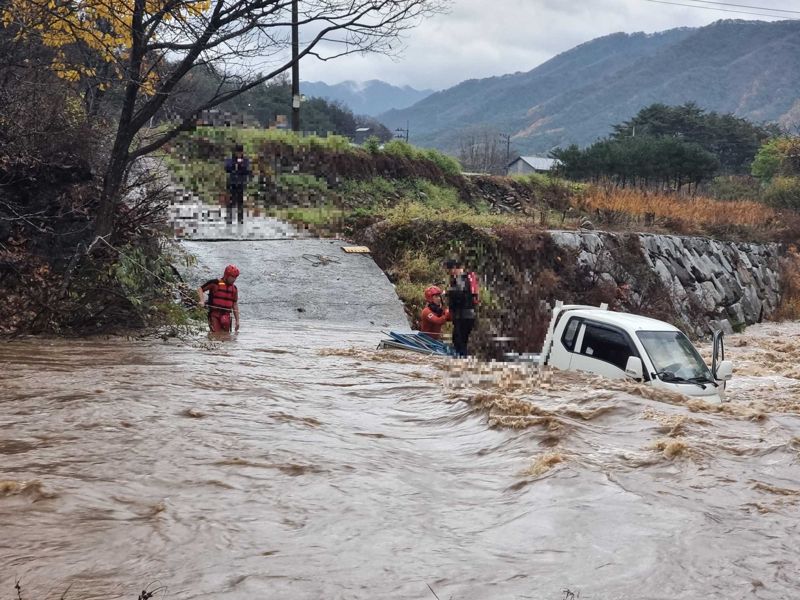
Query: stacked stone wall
point(711, 284)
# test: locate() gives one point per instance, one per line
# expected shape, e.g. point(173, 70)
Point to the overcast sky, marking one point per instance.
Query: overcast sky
point(482, 38)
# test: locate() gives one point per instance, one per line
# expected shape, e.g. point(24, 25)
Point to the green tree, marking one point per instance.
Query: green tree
point(777, 157)
point(732, 140)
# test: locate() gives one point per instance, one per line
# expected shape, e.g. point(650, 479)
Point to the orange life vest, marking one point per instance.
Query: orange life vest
point(223, 296)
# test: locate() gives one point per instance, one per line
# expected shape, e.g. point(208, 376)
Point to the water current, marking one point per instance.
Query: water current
point(295, 461)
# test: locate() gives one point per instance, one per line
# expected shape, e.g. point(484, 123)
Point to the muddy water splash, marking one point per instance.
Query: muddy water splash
point(300, 463)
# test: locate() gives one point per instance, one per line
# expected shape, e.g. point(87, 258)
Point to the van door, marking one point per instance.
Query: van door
point(564, 344)
point(602, 350)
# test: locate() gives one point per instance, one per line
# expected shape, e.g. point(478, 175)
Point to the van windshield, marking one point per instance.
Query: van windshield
point(672, 352)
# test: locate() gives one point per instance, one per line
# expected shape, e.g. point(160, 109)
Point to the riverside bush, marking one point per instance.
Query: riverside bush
point(783, 192)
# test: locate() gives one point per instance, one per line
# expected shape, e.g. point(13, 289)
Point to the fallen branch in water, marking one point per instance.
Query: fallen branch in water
point(432, 592)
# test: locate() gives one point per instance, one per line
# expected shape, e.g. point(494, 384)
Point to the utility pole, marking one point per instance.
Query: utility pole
point(506, 137)
point(295, 69)
point(403, 131)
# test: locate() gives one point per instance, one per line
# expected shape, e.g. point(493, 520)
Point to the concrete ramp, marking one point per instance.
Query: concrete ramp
point(296, 280)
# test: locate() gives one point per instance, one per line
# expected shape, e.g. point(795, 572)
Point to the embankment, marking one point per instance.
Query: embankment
point(710, 283)
point(695, 283)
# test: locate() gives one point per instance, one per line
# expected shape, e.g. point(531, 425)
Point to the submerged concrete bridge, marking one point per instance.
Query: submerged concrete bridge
point(286, 275)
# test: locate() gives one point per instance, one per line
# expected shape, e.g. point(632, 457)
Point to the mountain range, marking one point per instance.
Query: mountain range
point(365, 98)
point(748, 68)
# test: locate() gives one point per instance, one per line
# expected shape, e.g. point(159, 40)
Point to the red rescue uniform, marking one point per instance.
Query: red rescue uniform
point(221, 300)
point(432, 319)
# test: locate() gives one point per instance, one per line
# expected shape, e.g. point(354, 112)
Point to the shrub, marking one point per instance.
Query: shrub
point(789, 307)
point(448, 164)
point(767, 162)
point(400, 148)
point(783, 192)
point(303, 181)
point(779, 156)
point(372, 144)
point(735, 187)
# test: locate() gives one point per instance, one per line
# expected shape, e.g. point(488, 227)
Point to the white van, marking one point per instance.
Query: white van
point(619, 345)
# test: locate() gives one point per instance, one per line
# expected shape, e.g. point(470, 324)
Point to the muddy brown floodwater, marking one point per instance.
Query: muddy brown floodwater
point(294, 462)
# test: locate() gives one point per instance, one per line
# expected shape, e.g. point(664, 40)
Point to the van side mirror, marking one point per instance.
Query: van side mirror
point(724, 371)
point(634, 368)
point(718, 354)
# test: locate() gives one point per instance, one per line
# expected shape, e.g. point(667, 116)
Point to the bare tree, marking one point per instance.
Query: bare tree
point(481, 152)
point(246, 42)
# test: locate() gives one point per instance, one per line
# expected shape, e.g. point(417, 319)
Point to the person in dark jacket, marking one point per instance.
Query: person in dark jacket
point(238, 169)
point(461, 302)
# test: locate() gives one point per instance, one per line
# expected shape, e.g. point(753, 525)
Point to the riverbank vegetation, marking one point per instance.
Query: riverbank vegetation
point(335, 186)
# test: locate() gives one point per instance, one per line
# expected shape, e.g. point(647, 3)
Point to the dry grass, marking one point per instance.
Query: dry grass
point(695, 214)
point(789, 308)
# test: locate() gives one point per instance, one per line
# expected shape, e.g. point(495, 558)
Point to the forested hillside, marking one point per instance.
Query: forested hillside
point(750, 69)
point(264, 103)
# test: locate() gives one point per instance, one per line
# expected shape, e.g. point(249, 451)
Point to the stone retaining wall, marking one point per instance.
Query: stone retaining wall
point(711, 284)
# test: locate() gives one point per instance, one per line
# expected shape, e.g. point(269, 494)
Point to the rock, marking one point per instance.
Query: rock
point(736, 313)
point(721, 325)
point(592, 242)
point(751, 305)
point(606, 279)
point(729, 282)
point(663, 273)
point(587, 258)
point(566, 239)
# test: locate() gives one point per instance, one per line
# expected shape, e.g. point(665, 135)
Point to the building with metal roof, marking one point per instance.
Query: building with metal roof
point(532, 164)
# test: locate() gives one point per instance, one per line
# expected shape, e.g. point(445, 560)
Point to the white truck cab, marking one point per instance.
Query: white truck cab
point(621, 345)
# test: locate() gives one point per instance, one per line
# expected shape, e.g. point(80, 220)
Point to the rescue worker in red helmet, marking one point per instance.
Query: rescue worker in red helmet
point(223, 300)
point(434, 315)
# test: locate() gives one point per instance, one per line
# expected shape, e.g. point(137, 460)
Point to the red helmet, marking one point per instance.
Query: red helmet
point(231, 271)
point(432, 291)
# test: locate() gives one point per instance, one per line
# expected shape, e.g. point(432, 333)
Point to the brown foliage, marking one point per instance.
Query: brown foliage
point(745, 219)
point(49, 153)
point(789, 307)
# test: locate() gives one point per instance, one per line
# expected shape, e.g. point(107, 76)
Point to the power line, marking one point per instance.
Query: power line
point(779, 10)
point(725, 10)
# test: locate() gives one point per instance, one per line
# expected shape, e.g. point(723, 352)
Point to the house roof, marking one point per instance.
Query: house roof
point(540, 163)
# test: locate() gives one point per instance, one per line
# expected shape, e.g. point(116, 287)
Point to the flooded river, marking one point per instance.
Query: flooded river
point(297, 462)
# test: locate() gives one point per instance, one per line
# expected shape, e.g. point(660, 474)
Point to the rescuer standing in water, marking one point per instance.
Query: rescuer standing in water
point(223, 300)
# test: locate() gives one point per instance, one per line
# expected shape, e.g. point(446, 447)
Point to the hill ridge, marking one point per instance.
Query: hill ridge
point(750, 68)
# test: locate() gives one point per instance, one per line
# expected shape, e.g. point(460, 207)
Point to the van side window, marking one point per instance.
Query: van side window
point(606, 345)
point(570, 334)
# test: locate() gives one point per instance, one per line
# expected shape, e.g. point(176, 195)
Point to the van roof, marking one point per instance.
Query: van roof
point(625, 320)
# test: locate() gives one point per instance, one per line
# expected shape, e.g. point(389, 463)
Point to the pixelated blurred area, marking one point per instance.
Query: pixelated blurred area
point(319, 185)
point(280, 198)
point(193, 219)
